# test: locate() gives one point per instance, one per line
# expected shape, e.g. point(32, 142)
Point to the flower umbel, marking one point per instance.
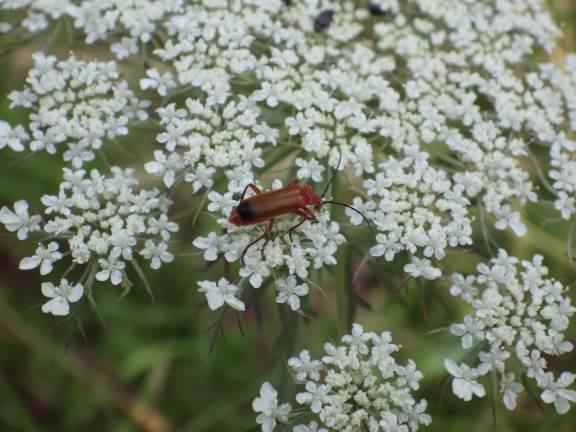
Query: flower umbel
point(517, 313)
point(77, 106)
point(356, 386)
point(102, 222)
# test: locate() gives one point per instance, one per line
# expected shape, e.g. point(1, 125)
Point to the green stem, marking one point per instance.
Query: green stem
point(494, 398)
point(344, 291)
point(143, 278)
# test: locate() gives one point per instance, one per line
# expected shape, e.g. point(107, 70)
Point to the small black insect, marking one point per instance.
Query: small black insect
point(287, 2)
point(323, 20)
point(376, 10)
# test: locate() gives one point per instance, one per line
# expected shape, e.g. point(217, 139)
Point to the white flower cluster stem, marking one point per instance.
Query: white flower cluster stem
point(356, 386)
point(518, 313)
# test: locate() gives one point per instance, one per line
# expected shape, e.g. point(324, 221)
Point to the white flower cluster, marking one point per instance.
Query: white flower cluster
point(317, 85)
point(133, 22)
point(39, 13)
point(357, 386)
point(104, 222)
point(342, 88)
point(75, 105)
point(432, 105)
point(563, 174)
point(416, 209)
point(287, 255)
point(518, 313)
point(205, 42)
point(206, 139)
point(460, 94)
point(219, 51)
point(284, 91)
point(554, 91)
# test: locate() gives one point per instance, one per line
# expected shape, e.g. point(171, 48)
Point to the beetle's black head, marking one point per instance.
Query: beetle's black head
point(242, 214)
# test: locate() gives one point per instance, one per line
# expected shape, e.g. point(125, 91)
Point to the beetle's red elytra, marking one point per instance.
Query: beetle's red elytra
point(263, 206)
point(295, 198)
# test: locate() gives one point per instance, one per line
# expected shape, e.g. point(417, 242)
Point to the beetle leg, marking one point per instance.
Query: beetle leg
point(306, 214)
point(268, 235)
point(252, 187)
point(249, 246)
point(294, 228)
point(265, 234)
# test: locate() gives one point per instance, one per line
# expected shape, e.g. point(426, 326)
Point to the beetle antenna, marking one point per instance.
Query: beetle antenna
point(368, 222)
point(334, 171)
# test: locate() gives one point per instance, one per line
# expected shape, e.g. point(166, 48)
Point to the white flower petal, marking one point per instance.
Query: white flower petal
point(57, 306)
point(29, 263)
point(76, 293)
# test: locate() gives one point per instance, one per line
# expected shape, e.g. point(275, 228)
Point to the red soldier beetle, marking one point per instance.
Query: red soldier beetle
point(295, 198)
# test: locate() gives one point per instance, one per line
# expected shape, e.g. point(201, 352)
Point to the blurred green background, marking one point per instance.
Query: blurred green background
point(146, 365)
